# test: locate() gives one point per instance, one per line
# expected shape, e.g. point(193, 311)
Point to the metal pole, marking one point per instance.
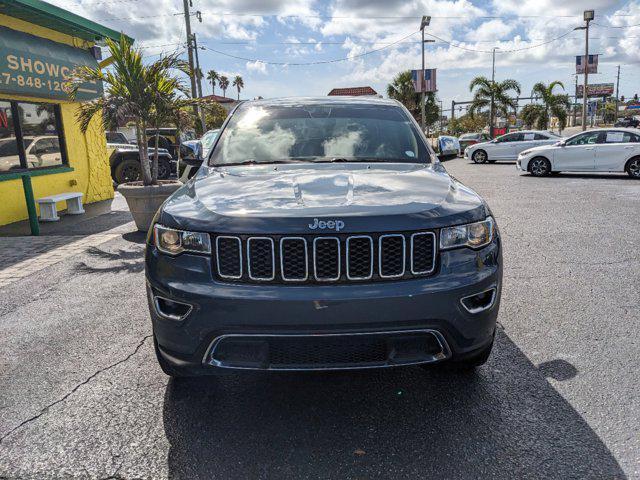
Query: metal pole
point(199, 83)
point(615, 118)
point(575, 102)
point(586, 76)
point(31, 205)
point(493, 79)
point(453, 106)
point(422, 108)
point(192, 73)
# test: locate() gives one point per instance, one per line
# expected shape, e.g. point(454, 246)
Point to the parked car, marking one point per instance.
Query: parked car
point(201, 147)
point(124, 160)
point(448, 146)
point(600, 150)
point(629, 122)
point(169, 139)
point(322, 234)
point(472, 138)
point(507, 147)
point(41, 151)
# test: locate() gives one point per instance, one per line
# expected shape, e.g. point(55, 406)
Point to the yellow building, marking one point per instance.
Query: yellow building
point(40, 44)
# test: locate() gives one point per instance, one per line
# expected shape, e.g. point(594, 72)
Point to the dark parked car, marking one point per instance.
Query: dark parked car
point(322, 234)
point(628, 122)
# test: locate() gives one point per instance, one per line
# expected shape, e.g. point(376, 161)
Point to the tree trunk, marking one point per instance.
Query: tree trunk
point(154, 165)
point(144, 156)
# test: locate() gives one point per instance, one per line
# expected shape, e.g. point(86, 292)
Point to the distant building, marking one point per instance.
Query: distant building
point(354, 92)
point(226, 102)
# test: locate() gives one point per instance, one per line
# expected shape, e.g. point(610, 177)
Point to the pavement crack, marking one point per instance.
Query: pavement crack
point(75, 389)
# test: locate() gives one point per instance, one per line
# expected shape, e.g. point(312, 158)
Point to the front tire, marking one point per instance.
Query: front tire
point(540, 167)
point(479, 156)
point(128, 170)
point(633, 168)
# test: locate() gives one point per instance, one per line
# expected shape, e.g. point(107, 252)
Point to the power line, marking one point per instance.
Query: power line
point(317, 62)
point(615, 26)
point(394, 17)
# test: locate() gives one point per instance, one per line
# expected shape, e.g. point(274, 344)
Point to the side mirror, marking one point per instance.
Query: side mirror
point(561, 143)
point(191, 153)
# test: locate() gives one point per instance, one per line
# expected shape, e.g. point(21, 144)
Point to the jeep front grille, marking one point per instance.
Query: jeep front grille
point(338, 258)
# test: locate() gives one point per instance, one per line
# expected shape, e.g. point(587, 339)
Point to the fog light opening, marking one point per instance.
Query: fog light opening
point(171, 309)
point(480, 301)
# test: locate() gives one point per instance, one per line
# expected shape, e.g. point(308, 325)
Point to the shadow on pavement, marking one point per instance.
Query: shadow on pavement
point(505, 421)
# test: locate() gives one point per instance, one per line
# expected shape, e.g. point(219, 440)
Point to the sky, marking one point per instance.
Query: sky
point(279, 46)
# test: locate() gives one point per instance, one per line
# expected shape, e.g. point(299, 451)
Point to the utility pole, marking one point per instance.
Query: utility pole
point(423, 23)
point(493, 83)
point(589, 15)
point(615, 118)
point(192, 69)
point(575, 101)
point(453, 106)
point(199, 84)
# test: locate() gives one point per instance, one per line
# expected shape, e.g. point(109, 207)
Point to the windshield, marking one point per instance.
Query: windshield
point(342, 132)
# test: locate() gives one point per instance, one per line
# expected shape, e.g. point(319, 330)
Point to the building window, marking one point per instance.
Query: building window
point(31, 136)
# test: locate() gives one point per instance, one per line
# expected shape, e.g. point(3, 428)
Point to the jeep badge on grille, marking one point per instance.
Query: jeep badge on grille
point(336, 225)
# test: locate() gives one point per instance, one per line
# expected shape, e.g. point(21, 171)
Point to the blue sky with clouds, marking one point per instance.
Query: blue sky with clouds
point(269, 37)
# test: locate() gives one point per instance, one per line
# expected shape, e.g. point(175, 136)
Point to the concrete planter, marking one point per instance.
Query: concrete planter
point(144, 200)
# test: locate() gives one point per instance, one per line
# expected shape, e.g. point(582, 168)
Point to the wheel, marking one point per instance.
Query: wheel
point(479, 156)
point(539, 167)
point(166, 367)
point(633, 167)
point(128, 170)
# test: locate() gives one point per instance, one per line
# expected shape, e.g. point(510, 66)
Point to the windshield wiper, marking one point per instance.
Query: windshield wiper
point(266, 162)
point(363, 160)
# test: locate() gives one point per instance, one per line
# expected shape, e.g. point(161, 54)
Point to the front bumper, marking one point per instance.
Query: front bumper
point(226, 310)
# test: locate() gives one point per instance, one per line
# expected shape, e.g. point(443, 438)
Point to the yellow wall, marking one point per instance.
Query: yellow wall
point(87, 153)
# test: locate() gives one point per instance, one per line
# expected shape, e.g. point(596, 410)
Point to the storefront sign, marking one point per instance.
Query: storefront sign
point(596, 90)
point(38, 67)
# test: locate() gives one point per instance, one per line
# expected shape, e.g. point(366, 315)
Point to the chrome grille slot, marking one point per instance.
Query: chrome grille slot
point(423, 253)
point(229, 257)
point(391, 255)
point(359, 257)
point(326, 259)
point(261, 258)
point(312, 258)
point(294, 260)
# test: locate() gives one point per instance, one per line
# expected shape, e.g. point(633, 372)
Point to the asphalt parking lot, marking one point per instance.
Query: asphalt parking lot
point(81, 395)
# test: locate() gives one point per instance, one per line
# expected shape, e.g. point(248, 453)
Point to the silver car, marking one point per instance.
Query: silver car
point(508, 147)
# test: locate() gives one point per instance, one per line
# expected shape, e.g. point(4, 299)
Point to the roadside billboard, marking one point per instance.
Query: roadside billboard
point(592, 66)
point(596, 90)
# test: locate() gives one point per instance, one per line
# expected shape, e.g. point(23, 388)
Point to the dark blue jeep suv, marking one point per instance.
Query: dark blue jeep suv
point(319, 234)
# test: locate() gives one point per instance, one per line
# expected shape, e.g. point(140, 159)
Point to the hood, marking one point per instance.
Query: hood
point(287, 198)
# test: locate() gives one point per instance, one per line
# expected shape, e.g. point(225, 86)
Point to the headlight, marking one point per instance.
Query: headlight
point(526, 152)
point(174, 242)
point(473, 235)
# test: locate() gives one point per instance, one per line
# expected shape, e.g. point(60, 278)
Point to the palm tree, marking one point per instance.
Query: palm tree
point(212, 77)
point(494, 95)
point(238, 83)
point(224, 84)
point(132, 89)
point(554, 104)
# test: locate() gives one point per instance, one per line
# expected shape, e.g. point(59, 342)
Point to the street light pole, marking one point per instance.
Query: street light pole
point(423, 23)
point(615, 118)
point(493, 82)
point(588, 16)
point(192, 72)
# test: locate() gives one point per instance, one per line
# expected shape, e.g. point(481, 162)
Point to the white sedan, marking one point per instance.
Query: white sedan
point(507, 147)
point(600, 150)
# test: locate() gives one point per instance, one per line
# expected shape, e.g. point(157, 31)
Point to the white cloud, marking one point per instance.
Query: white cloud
point(492, 29)
point(256, 66)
